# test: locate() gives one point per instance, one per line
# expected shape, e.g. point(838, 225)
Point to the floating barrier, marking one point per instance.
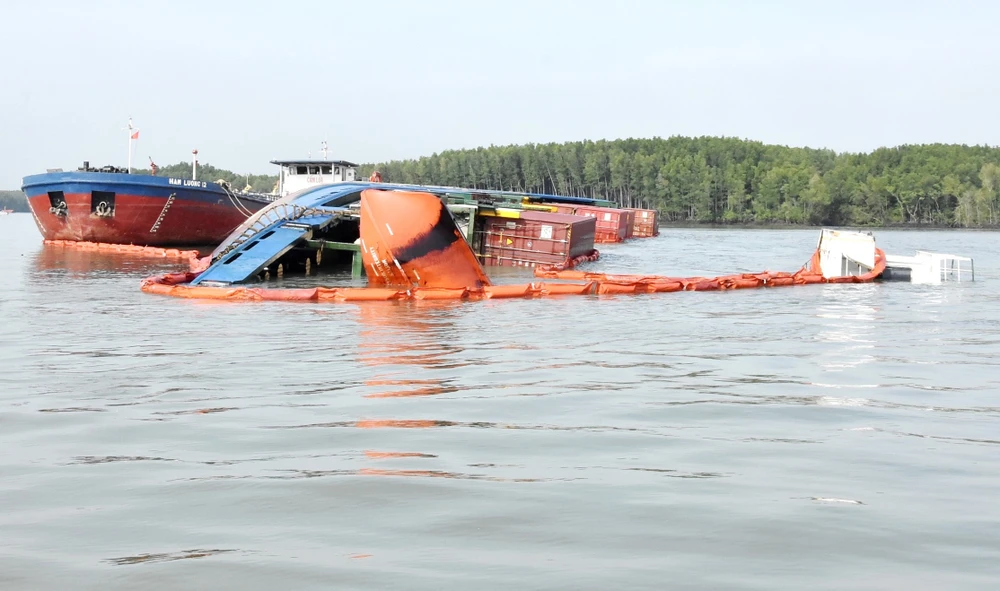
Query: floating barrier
point(592, 284)
point(412, 250)
point(174, 285)
point(192, 257)
point(145, 251)
point(591, 256)
point(810, 274)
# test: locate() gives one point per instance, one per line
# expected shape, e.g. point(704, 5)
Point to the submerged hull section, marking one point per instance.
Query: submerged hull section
point(410, 239)
point(134, 209)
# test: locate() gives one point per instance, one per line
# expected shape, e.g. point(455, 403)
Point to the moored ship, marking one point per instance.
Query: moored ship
point(111, 205)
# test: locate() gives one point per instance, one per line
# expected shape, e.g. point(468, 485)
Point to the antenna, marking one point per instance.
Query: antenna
point(323, 143)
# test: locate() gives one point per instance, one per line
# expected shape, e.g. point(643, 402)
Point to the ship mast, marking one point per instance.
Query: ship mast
point(133, 134)
point(324, 150)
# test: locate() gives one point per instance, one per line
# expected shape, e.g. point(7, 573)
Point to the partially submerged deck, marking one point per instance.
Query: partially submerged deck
point(293, 233)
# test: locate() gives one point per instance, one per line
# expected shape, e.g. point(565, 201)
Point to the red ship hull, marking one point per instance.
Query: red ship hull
point(135, 209)
point(183, 223)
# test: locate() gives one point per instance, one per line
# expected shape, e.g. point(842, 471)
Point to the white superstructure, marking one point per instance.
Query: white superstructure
point(296, 175)
point(932, 267)
point(843, 253)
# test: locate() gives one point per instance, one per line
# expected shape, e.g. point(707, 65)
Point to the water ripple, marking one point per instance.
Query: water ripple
point(741, 440)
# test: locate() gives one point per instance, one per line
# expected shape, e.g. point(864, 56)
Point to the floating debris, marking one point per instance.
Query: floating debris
point(834, 500)
point(166, 557)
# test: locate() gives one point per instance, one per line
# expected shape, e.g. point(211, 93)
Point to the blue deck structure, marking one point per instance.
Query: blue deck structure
point(312, 213)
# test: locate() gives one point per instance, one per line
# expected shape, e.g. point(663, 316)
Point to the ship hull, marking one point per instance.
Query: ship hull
point(137, 209)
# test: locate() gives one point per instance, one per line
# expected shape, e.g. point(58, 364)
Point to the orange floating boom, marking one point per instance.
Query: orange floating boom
point(413, 251)
point(191, 256)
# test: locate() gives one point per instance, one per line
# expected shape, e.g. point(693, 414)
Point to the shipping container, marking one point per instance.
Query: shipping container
point(563, 208)
point(629, 222)
point(536, 238)
point(646, 224)
point(612, 224)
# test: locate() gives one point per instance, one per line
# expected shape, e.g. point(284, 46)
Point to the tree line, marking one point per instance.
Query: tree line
point(734, 181)
point(257, 183)
point(13, 200)
point(708, 179)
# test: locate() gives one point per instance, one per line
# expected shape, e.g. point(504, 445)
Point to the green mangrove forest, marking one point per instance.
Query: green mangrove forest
point(710, 180)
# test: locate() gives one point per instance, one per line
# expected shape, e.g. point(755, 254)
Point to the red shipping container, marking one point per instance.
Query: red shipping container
point(537, 238)
point(629, 222)
point(612, 224)
point(563, 208)
point(647, 223)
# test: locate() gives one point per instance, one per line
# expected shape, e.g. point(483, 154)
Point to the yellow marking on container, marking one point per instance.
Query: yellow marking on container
point(503, 212)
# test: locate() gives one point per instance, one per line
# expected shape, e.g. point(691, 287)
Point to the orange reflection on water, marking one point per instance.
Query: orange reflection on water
point(85, 262)
point(402, 339)
point(401, 424)
point(420, 473)
point(381, 455)
point(439, 474)
point(431, 389)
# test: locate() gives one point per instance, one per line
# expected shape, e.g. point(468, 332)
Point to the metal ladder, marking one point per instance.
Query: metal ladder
point(271, 216)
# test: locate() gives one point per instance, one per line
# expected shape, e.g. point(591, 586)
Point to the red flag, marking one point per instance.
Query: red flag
point(135, 135)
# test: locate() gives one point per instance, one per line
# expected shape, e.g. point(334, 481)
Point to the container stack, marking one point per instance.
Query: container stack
point(612, 224)
point(645, 223)
point(536, 238)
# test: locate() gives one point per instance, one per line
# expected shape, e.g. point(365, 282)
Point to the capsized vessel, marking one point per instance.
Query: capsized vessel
point(412, 248)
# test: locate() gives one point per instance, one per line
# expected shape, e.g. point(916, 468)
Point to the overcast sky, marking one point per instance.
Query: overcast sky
point(248, 81)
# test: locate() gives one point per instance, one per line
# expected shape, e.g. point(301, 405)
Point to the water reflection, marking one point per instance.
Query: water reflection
point(167, 556)
point(849, 315)
point(400, 340)
point(410, 347)
point(51, 262)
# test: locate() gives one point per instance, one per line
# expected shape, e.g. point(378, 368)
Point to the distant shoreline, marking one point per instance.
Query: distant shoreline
point(14, 200)
point(17, 201)
point(781, 226)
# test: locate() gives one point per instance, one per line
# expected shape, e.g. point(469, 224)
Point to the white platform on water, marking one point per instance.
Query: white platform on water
point(934, 267)
point(843, 253)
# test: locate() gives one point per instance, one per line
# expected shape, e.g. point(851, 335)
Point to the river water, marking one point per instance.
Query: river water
point(820, 437)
